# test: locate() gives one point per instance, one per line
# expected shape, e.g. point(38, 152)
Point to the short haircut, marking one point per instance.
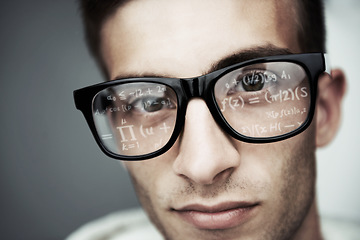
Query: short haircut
point(310, 21)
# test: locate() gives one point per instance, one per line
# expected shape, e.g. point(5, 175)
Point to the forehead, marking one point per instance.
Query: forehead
point(184, 38)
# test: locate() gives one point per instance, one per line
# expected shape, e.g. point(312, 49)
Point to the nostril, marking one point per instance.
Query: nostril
point(223, 175)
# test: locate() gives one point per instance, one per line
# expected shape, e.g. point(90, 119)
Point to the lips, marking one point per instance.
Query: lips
point(222, 216)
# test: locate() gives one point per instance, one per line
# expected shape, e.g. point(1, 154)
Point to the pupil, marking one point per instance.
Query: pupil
point(253, 82)
point(152, 105)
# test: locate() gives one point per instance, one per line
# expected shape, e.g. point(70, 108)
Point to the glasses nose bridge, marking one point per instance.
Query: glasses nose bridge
point(195, 86)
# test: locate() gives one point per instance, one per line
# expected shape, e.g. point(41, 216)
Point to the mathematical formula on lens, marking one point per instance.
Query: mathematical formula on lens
point(138, 92)
point(132, 136)
point(271, 129)
point(238, 101)
point(129, 107)
point(286, 112)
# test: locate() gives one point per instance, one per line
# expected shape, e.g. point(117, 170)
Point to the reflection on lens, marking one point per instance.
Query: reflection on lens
point(264, 100)
point(134, 119)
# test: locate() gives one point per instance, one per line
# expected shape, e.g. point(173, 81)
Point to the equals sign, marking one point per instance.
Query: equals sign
point(254, 100)
point(106, 136)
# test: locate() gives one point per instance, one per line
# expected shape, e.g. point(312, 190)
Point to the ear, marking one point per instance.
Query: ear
point(331, 90)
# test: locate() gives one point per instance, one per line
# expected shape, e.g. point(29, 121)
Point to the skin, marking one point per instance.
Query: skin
point(185, 39)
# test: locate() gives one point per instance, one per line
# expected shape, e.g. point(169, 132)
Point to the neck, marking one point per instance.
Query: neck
point(310, 228)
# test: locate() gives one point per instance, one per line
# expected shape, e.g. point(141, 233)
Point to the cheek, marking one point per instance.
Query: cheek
point(280, 165)
point(152, 177)
point(294, 180)
point(142, 174)
point(143, 179)
point(261, 162)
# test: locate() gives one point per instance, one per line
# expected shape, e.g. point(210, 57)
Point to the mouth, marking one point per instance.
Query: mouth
point(222, 216)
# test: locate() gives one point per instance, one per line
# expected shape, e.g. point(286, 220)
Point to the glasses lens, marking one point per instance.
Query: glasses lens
point(264, 100)
point(134, 119)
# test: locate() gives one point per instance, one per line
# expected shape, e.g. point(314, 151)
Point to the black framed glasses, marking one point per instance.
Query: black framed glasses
point(258, 101)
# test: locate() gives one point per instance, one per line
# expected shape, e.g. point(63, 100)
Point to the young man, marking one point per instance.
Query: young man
point(212, 114)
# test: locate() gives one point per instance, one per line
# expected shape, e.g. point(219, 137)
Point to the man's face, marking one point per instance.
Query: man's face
point(209, 185)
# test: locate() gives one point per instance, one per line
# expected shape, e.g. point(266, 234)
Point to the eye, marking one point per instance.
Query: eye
point(152, 104)
point(251, 82)
point(147, 104)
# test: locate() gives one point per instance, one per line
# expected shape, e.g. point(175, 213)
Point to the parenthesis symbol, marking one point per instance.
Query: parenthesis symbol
point(266, 97)
point(242, 101)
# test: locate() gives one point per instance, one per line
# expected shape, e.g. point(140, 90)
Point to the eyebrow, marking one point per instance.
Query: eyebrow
point(237, 57)
point(248, 54)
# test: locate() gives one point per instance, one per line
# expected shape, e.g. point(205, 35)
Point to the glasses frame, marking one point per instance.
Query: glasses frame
point(203, 87)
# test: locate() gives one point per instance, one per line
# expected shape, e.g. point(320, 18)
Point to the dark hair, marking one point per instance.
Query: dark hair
point(94, 14)
point(311, 26)
point(310, 21)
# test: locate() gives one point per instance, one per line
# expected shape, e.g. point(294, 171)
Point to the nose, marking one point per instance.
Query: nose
point(206, 153)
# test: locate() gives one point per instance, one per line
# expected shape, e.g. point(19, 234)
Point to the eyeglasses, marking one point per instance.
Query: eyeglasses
point(258, 101)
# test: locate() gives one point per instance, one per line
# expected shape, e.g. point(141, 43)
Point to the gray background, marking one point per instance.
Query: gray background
point(53, 177)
